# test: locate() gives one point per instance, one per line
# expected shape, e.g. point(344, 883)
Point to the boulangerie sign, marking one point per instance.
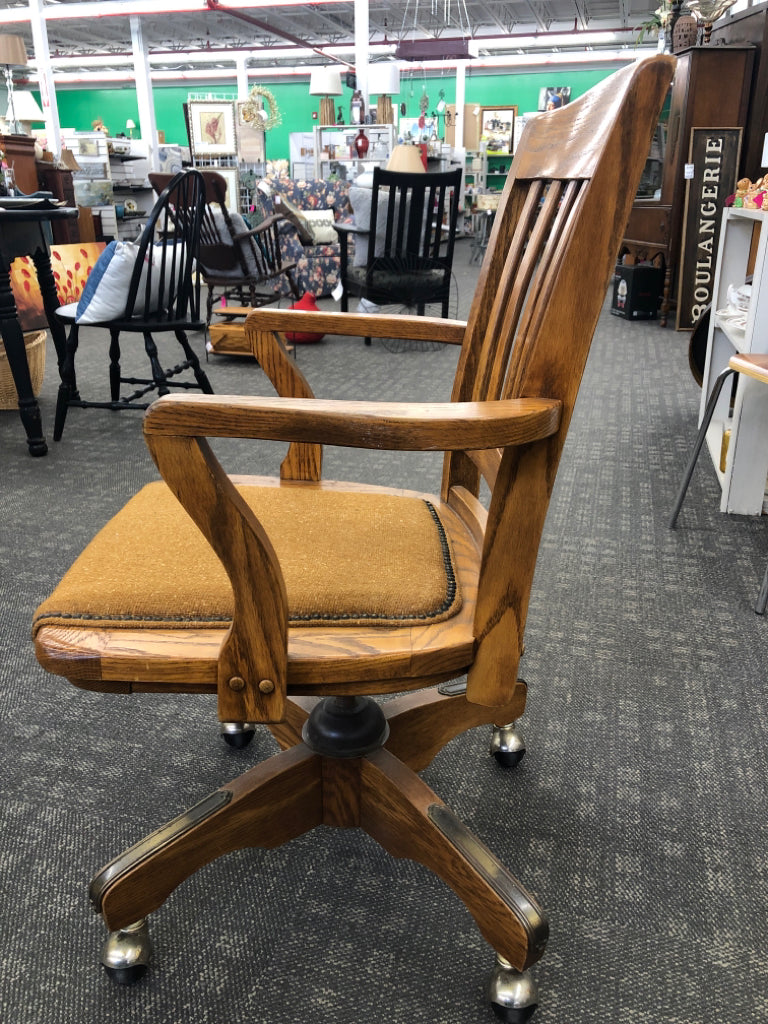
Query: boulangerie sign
point(713, 164)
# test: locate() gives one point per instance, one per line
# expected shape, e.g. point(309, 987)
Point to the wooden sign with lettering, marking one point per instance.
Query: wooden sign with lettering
point(714, 159)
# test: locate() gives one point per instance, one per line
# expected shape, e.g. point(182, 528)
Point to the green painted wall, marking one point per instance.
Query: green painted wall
point(78, 108)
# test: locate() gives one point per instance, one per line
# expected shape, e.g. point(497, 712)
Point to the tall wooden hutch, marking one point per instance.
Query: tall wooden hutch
point(711, 90)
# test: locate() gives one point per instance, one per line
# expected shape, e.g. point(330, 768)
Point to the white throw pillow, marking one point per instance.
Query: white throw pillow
point(106, 290)
point(321, 225)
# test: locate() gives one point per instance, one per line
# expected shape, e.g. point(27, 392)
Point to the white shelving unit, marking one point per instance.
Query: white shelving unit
point(743, 417)
point(333, 149)
point(129, 167)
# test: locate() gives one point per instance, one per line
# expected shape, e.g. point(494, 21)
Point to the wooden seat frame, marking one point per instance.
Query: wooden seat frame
point(523, 349)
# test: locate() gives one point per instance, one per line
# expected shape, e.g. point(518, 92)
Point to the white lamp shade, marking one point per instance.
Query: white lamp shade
point(325, 82)
point(406, 159)
point(384, 79)
point(130, 125)
point(25, 107)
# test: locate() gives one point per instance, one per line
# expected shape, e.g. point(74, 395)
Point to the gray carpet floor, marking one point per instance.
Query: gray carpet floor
point(638, 817)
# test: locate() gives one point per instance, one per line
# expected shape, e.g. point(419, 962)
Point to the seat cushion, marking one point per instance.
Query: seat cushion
point(348, 558)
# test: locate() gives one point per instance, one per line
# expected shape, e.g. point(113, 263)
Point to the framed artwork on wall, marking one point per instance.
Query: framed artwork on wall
point(212, 128)
point(232, 179)
point(497, 128)
point(553, 96)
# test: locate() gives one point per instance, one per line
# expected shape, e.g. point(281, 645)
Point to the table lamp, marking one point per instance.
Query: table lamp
point(130, 127)
point(406, 159)
point(13, 54)
point(325, 82)
point(25, 111)
point(384, 81)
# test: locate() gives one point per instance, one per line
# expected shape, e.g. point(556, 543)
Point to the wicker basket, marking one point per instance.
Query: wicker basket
point(34, 341)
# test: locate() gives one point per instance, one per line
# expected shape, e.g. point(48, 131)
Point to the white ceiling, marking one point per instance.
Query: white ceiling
point(283, 33)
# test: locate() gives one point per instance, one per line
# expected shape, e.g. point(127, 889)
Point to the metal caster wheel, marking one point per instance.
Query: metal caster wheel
point(508, 745)
point(126, 953)
point(512, 993)
point(237, 734)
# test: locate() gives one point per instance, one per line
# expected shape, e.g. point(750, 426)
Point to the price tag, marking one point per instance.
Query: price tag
point(689, 172)
point(337, 292)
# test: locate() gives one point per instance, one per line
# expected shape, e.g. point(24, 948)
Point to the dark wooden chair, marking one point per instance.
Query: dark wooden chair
point(378, 591)
point(409, 241)
point(235, 260)
point(157, 292)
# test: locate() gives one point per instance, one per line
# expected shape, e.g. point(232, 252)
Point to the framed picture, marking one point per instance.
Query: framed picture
point(553, 96)
point(497, 128)
point(212, 128)
point(232, 179)
point(250, 138)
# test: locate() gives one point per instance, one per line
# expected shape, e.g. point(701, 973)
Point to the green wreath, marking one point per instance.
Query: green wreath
point(254, 113)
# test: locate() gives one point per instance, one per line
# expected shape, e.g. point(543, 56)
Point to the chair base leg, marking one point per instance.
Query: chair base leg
point(762, 597)
point(298, 789)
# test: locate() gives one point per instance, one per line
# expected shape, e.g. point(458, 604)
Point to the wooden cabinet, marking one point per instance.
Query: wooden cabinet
point(20, 156)
point(740, 422)
point(711, 90)
point(59, 182)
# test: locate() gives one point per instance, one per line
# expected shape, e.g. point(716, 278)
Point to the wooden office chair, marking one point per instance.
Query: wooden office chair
point(144, 288)
point(751, 365)
point(236, 260)
point(299, 600)
point(409, 242)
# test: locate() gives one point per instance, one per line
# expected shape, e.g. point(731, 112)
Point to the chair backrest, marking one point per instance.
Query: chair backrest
point(413, 218)
point(163, 281)
point(225, 246)
point(540, 292)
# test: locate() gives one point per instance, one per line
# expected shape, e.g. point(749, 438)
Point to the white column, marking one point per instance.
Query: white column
point(461, 94)
point(144, 91)
point(242, 76)
point(362, 35)
point(45, 75)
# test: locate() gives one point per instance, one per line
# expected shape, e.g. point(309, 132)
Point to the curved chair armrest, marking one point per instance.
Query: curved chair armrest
point(395, 426)
point(265, 225)
point(349, 228)
point(417, 328)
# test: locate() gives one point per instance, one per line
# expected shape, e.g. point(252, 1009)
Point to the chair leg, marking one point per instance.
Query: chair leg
point(68, 386)
point(158, 374)
point(272, 803)
point(705, 422)
point(762, 597)
point(200, 375)
point(405, 817)
point(114, 365)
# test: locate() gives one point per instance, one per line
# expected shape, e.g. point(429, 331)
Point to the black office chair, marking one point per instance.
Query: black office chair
point(146, 288)
point(410, 242)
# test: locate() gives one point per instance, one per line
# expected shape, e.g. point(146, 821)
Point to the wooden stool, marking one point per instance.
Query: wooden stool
point(752, 365)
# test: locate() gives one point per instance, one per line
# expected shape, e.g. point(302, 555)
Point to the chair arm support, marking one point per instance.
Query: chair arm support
point(390, 426)
point(427, 328)
point(265, 225)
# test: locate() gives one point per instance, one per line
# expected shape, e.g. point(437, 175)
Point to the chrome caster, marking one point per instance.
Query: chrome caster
point(126, 953)
point(512, 993)
point(507, 745)
point(237, 734)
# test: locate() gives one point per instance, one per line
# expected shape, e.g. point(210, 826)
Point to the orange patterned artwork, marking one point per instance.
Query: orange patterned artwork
point(71, 265)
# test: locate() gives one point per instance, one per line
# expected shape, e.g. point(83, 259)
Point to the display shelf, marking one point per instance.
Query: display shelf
point(333, 148)
point(743, 410)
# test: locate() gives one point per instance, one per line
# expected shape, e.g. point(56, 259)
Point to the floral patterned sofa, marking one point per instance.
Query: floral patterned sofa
point(317, 266)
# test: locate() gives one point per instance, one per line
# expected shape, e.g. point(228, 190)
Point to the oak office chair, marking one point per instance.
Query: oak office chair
point(236, 260)
point(150, 288)
point(410, 240)
point(299, 600)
